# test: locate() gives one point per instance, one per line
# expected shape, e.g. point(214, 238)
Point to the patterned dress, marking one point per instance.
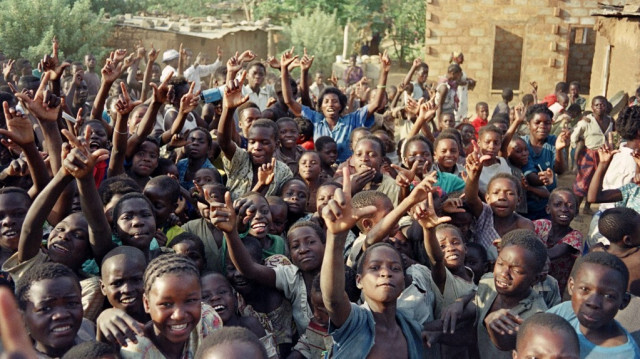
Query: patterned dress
point(560, 268)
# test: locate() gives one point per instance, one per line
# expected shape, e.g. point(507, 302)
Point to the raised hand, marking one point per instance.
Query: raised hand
point(161, 93)
point(7, 69)
point(223, 215)
point(246, 56)
point(234, 64)
point(18, 167)
point(116, 326)
point(52, 63)
point(546, 177)
point(44, 105)
point(339, 214)
point(232, 97)
point(190, 100)
point(19, 129)
point(15, 340)
point(273, 62)
point(79, 160)
point(425, 214)
point(287, 58)
point(219, 52)
point(405, 176)
point(177, 140)
point(306, 61)
point(534, 85)
point(118, 55)
point(474, 161)
point(124, 105)
point(424, 188)
point(266, 172)
point(152, 56)
point(333, 80)
point(141, 52)
point(416, 63)
point(519, 111)
point(385, 61)
point(111, 70)
point(563, 140)
point(453, 205)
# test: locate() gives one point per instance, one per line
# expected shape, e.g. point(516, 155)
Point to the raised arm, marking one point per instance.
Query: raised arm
point(305, 65)
point(513, 128)
point(287, 92)
point(472, 182)
point(596, 194)
point(414, 66)
point(110, 73)
point(188, 103)
point(80, 163)
point(20, 131)
point(441, 92)
point(339, 216)
point(124, 106)
point(231, 99)
point(151, 59)
point(224, 217)
point(426, 114)
point(385, 67)
point(428, 219)
point(561, 142)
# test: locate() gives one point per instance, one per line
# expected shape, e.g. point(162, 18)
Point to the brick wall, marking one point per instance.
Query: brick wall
point(470, 26)
point(581, 56)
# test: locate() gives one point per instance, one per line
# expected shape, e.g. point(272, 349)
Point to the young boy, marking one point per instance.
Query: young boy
point(375, 329)
point(482, 110)
point(546, 335)
point(245, 167)
point(288, 151)
point(503, 106)
point(490, 144)
point(164, 192)
point(502, 302)
point(597, 287)
point(621, 226)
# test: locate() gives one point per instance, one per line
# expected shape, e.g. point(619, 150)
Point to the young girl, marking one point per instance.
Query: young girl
point(179, 320)
point(310, 171)
point(563, 242)
point(306, 243)
point(49, 296)
point(134, 223)
point(446, 155)
point(144, 161)
point(517, 158)
point(468, 133)
point(199, 144)
point(328, 151)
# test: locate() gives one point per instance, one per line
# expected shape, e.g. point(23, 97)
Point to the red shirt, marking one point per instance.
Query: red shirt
point(477, 123)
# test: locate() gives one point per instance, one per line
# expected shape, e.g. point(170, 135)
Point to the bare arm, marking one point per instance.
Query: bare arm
point(305, 65)
point(287, 92)
point(596, 194)
point(110, 73)
point(442, 92)
point(151, 59)
point(412, 70)
point(188, 103)
point(472, 187)
point(385, 67)
point(513, 128)
point(124, 106)
point(561, 143)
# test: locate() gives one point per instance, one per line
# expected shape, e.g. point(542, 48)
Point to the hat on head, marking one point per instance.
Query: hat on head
point(170, 55)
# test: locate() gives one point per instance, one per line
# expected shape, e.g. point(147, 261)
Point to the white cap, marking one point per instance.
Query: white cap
point(170, 55)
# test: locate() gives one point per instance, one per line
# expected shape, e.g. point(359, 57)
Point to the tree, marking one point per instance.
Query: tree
point(320, 33)
point(28, 26)
point(406, 21)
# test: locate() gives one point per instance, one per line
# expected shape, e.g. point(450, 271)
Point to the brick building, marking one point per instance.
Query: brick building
point(508, 43)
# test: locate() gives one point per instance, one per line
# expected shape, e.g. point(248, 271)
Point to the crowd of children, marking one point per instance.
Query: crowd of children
point(274, 218)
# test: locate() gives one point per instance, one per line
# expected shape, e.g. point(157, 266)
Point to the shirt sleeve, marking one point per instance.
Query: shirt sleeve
point(285, 279)
point(312, 115)
point(361, 118)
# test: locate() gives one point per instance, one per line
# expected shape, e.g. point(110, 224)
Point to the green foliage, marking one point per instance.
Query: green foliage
point(406, 19)
point(115, 7)
point(28, 26)
point(320, 33)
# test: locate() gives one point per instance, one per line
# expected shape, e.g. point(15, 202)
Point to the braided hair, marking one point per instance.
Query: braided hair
point(169, 263)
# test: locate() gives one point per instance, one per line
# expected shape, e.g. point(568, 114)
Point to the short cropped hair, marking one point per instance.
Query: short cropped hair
point(229, 335)
point(538, 109)
point(47, 270)
point(528, 240)
point(606, 260)
point(552, 322)
point(617, 222)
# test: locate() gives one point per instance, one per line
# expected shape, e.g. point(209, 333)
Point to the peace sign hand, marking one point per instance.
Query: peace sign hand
point(339, 214)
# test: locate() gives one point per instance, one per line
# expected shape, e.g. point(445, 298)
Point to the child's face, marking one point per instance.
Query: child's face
point(13, 209)
point(309, 166)
point(447, 153)
point(483, 112)
point(490, 143)
point(296, 194)
point(278, 219)
point(401, 243)
point(53, 314)
point(452, 247)
point(197, 145)
point(135, 118)
point(502, 126)
point(518, 153)
point(288, 134)
point(262, 220)
point(448, 121)
point(540, 126)
point(262, 143)
point(328, 154)
point(367, 155)
point(69, 241)
point(145, 161)
point(135, 224)
point(320, 313)
point(239, 282)
point(468, 133)
point(502, 196)
point(217, 292)
point(473, 260)
point(562, 208)
point(99, 138)
point(161, 203)
point(463, 221)
point(190, 250)
point(306, 249)
point(246, 119)
point(418, 151)
point(544, 343)
point(514, 271)
point(382, 278)
point(217, 194)
point(174, 306)
point(597, 293)
point(323, 196)
point(122, 283)
point(385, 207)
point(204, 176)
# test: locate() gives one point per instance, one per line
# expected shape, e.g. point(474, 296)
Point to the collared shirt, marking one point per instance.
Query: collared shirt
point(290, 281)
point(356, 337)
point(261, 98)
point(194, 74)
point(590, 132)
point(165, 72)
point(342, 130)
point(484, 299)
point(240, 174)
point(545, 159)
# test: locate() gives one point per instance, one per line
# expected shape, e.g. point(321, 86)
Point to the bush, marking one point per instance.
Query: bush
point(28, 26)
point(320, 33)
